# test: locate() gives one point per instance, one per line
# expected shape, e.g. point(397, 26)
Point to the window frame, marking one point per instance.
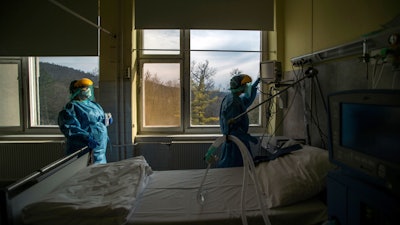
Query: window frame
point(141, 55)
point(178, 129)
point(33, 75)
point(184, 58)
point(20, 65)
point(25, 101)
point(28, 103)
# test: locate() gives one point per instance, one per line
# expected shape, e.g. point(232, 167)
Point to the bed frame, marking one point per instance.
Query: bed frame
point(32, 187)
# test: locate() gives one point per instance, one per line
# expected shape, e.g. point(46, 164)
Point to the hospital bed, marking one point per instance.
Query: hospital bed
point(130, 192)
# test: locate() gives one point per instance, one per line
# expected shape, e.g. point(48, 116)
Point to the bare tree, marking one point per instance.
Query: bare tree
point(202, 90)
point(235, 72)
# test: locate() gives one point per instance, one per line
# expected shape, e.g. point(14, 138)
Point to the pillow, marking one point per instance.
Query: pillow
point(294, 177)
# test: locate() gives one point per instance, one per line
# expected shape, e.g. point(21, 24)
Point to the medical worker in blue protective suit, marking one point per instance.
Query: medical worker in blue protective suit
point(241, 97)
point(83, 121)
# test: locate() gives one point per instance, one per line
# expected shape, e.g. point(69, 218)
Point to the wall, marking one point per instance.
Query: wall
point(312, 26)
point(117, 74)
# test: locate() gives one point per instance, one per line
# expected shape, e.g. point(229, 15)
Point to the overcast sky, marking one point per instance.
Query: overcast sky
point(223, 62)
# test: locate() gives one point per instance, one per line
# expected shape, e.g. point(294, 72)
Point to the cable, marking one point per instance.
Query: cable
point(270, 98)
point(268, 115)
point(315, 119)
point(394, 81)
point(376, 78)
point(290, 105)
point(287, 112)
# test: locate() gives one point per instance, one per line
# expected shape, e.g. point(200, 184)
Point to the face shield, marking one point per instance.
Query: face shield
point(239, 83)
point(82, 89)
point(83, 93)
point(247, 90)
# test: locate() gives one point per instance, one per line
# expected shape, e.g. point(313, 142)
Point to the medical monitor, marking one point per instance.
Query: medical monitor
point(270, 71)
point(364, 136)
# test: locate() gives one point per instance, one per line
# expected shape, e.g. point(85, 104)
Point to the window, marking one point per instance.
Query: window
point(161, 95)
point(35, 89)
point(215, 57)
point(49, 84)
point(161, 42)
point(185, 75)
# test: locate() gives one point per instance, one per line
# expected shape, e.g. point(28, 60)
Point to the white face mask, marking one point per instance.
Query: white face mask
point(86, 93)
point(247, 90)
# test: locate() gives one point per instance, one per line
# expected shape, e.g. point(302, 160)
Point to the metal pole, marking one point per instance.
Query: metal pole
point(81, 17)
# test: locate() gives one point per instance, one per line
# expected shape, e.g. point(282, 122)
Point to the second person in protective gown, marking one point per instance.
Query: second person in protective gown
point(241, 97)
point(83, 121)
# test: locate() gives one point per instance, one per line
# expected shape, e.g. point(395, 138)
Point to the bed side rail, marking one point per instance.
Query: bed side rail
point(32, 187)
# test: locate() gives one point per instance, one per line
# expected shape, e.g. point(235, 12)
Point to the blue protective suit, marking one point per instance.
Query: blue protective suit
point(233, 105)
point(83, 124)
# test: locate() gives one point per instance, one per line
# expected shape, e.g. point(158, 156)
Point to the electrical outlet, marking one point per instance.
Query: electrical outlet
point(302, 62)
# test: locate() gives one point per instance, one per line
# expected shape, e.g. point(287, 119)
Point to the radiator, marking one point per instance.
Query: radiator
point(174, 155)
point(18, 160)
point(188, 155)
point(156, 154)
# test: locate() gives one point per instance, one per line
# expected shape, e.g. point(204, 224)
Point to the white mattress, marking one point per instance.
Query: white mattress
point(171, 198)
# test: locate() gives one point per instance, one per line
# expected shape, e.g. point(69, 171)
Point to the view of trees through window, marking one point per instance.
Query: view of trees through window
point(204, 98)
point(214, 58)
point(162, 105)
point(162, 97)
point(54, 74)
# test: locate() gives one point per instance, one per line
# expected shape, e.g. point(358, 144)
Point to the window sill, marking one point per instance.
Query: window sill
point(180, 137)
point(176, 137)
point(31, 138)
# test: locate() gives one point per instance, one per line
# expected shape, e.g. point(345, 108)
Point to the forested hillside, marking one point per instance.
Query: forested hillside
point(53, 93)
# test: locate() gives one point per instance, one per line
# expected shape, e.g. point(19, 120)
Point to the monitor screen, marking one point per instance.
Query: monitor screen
point(364, 135)
point(373, 129)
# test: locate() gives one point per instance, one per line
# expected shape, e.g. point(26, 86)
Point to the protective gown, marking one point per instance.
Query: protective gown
point(233, 105)
point(83, 123)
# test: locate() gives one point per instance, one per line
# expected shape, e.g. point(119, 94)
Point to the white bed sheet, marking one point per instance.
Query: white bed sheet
point(171, 198)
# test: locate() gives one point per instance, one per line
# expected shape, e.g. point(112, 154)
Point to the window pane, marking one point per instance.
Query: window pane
point(161, 95)
point(51, 84)
point(223, 54)
point(155, 41)
point(225, 40)
point(10, 111)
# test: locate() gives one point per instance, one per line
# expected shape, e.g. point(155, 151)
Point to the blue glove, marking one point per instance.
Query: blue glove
point(210, 155)
point(108, 120)
point(256, 82)
point(92, 143)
